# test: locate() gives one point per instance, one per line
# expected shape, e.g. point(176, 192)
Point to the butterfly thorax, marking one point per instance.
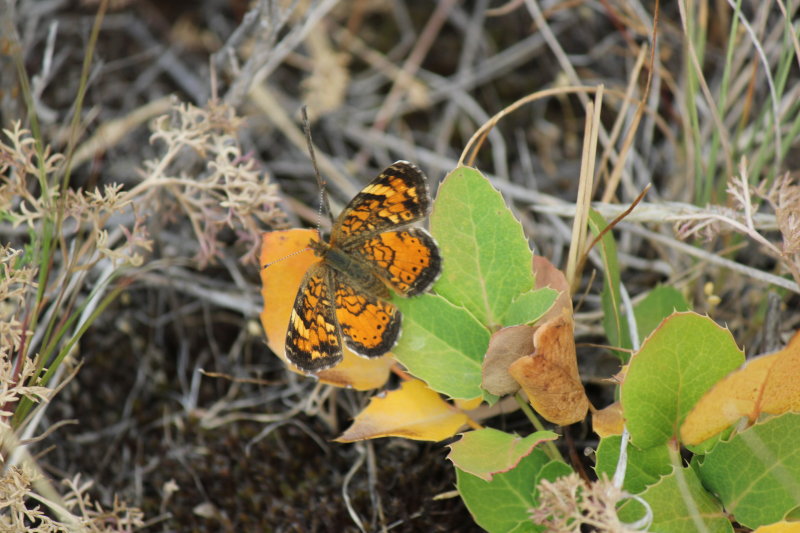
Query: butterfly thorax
point(352, 267)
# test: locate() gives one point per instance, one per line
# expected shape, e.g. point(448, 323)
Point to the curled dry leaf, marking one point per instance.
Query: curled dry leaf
point(509, 344)
point(765, 385)
point(505, 347)
point(547, 275)
point(550, 376)
point(279, 285)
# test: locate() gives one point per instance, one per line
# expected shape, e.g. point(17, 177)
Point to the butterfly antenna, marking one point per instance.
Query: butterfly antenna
point(323, 192)
point(307, 248)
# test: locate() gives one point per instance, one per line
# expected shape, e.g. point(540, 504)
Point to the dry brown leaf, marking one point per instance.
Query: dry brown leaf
point(550, 376)
point(509, 344)
point(547, 275)
point(505, 347)
point(765, 385)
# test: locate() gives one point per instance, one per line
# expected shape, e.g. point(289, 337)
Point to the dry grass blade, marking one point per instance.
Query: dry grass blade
point(585, 187)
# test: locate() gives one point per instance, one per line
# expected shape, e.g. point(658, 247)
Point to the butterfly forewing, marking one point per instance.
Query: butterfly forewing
point(397, 197)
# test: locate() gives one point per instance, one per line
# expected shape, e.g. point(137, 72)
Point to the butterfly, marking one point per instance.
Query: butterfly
point(372, 248)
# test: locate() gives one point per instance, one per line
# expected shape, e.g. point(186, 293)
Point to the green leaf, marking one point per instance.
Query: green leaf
point(757, 472)
point(552, 471)
point(614, 322)
point(489, 451)
point(486, 258)
point(442, 344)
point(683, 358)
point(529, 306)
point(503, 503)
point(656, 306)
point(680, 504)
point(645, 467)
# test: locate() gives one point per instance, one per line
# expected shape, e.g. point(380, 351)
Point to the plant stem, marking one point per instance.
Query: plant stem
point(549, 448)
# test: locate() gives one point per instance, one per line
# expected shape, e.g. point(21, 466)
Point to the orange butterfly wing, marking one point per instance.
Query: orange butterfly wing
point(313, 342)
point(407, 260)
point(397, 197)
point(370, 326)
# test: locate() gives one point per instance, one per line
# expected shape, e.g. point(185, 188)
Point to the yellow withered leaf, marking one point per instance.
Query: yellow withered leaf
point(413, 411)
point(468, 405)
point(780, 527)
point(608, 421)
point(765, 385)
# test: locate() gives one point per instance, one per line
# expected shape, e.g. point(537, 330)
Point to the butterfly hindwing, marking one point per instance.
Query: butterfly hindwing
point(313, 342)
point(370, 326)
